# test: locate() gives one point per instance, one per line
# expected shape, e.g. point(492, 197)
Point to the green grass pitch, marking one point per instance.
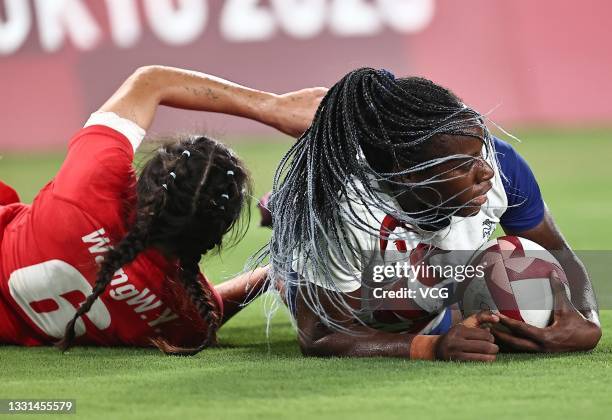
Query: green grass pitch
point(252, 376)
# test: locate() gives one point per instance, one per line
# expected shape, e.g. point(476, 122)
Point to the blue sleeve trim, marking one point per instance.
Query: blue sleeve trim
point(444, 325)
point(525, 204)
point(292, 291)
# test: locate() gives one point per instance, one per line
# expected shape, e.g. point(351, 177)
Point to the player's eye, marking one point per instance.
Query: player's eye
point(466, 165)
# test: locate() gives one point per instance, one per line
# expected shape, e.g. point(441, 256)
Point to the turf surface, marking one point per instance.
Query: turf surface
point(251, 375)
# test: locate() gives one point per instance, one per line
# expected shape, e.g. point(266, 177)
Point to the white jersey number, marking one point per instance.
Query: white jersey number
point(42, 292)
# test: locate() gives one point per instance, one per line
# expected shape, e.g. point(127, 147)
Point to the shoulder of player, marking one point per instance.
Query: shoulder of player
point(110, 131)
point(98, 142)
point(92, 223)
point(508, 159)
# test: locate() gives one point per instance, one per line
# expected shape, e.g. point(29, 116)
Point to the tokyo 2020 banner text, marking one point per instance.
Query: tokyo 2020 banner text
point(529, 62)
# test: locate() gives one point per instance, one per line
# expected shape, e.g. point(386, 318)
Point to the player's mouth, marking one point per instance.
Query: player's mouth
point(481, 196)
point(479, 201)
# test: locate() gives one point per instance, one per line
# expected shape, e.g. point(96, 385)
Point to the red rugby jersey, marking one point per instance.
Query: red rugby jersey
point(48, 254)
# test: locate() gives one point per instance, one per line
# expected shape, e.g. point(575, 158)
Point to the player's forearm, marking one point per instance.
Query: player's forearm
point(193, 90)
point(365, 343)
point(318, 339)
point(148, 87)
point(240, 290)
point(583, 296)
point(368, 342)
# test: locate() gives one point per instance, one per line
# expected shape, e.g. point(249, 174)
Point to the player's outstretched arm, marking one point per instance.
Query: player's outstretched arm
point(241, 290)
point(465, 341)
point(148, 87)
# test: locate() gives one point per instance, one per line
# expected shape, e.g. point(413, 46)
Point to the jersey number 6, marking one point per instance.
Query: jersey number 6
point(48, 293)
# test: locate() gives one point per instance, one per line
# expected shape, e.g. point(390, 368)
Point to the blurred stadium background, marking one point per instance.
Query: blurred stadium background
point(533, 62)
point(542, 68)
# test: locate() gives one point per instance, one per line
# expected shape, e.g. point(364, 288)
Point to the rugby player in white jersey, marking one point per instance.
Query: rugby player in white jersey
point(390, 165)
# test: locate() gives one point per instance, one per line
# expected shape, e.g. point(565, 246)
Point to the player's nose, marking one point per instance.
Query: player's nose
point(486, 172)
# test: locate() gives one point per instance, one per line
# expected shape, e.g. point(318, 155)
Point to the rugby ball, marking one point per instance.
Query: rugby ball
point(515, 282)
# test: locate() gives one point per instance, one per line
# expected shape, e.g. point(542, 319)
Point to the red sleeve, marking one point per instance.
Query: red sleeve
point(97, 171)
point(7, 195)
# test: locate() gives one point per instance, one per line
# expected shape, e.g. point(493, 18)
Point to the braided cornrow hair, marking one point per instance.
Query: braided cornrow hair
point(190, 194)
point(370, 131)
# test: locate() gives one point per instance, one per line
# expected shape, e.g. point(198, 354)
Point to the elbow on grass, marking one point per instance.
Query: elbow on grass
point(317, 348)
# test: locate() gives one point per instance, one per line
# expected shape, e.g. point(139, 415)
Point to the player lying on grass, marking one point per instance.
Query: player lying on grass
point(125, 251)
point(393, 165)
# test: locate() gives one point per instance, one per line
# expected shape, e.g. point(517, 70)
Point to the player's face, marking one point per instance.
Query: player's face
point(464, 182)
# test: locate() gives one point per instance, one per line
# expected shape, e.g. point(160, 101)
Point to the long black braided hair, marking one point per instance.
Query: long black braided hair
point(370, 131)
point(189, 195)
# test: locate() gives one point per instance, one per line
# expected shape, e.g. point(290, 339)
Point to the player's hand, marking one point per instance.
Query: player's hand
point(569, 330)
point(469, 340)
point(294, 111)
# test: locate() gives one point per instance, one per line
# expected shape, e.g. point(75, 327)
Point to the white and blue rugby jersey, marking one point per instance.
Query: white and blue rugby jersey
point(514, 201)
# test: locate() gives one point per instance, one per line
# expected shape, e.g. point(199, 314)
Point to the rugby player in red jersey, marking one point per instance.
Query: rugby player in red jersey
point(103, 257)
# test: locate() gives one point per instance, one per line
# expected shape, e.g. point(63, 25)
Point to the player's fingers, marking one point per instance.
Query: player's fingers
point(478, 334)
point(476, 357)
point(486, 317)
point(520, 328)
point(511, 342)
point(479, 346)
point(480, 318)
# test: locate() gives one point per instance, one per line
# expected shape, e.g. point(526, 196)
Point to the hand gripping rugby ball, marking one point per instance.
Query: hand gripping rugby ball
point(515, 282)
